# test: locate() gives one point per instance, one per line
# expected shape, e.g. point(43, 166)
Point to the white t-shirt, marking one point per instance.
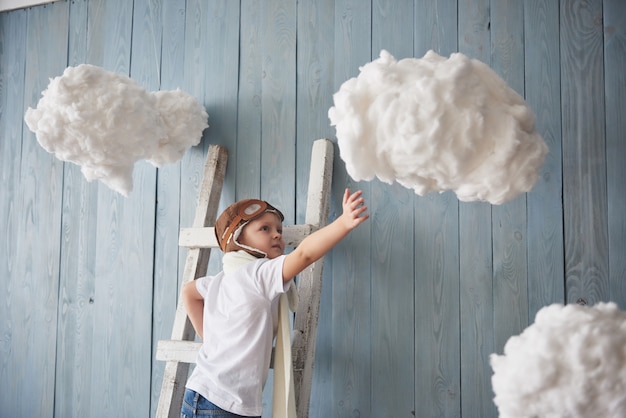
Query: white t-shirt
point(239, 324)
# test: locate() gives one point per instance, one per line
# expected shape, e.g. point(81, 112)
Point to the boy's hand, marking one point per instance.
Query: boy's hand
point(353, 209)
point(313, 247)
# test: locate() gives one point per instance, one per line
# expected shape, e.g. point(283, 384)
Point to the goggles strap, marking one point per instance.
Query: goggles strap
point(242, 215)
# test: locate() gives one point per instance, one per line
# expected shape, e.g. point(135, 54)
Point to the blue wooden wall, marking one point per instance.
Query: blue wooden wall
point(413, 302)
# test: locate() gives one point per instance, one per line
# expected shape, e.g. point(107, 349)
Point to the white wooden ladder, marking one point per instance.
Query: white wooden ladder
point(181, 349)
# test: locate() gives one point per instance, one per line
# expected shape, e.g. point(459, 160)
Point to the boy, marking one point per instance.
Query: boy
point(235, 312)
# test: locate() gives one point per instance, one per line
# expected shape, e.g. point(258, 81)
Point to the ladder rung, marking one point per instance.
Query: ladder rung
point(184, 351)
point(178, 350)
point(205, 237)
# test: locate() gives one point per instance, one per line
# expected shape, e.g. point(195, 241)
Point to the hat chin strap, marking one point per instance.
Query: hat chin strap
point(251, 250)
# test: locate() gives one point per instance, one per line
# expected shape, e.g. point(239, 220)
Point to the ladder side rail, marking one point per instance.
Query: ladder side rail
point(310, 280)
point(196, 264)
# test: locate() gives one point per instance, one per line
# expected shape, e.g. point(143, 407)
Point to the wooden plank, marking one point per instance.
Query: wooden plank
point(146, 59)
point(392, 250)
point(615, 98)
point(222, 38)
point(309, 283)
point(546, 279)
point(76, 318)
point(146, 45)
point(192, 163)
point(123, 261)
point(95, 28)
point(476, 308)
point(314, 89)
point(437, 345)
point(13, 26)
point(167, 266)
point(435, 27)
point(78, 36)
point(584, 151)
point(437, 328)
point(476, 292)
point(392, 342)
point(38, 249)
point(247, 154)
point(314, 86)
point(349, 386)
point(278, 102)
point(221, 83)
point(78, 251)
point(510, 275)
point(175, 374)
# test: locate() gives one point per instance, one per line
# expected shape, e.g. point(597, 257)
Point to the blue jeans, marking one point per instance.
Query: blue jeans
point(195, 405)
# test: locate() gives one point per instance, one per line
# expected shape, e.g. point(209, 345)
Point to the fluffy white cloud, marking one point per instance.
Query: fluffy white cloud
point(105, 122)
point(436, 124)
point(570, 363)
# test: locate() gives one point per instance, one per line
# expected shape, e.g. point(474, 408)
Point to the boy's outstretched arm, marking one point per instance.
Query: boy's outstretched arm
point(316, 245)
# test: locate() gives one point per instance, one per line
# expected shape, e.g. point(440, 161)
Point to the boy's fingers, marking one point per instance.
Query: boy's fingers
point(355, 204)
point(354, 196)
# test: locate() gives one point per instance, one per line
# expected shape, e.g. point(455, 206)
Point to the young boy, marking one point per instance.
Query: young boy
point(235, 312)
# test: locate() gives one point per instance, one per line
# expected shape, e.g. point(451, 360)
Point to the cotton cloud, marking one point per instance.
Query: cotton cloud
point(570, 363)
point(105, 122)
point(436, 124)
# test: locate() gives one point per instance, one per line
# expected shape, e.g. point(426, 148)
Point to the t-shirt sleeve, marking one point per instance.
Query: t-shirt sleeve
point(269, 277)
point(202, 285)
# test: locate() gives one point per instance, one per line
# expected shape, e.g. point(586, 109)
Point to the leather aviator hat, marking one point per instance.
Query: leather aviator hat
point(230, 223)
